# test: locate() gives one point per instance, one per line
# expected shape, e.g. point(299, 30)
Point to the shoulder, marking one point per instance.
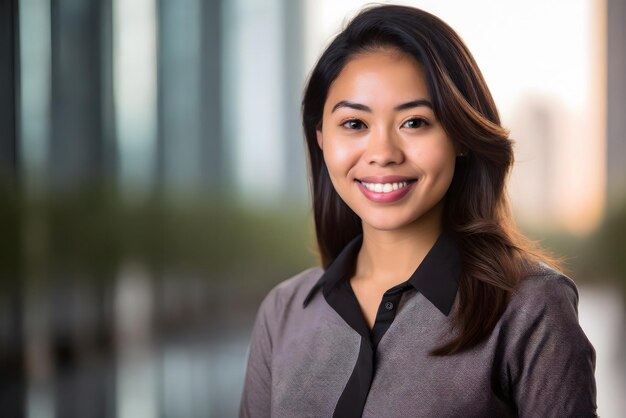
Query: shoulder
point(544, 305)
point(544, 288)
point(548, 362)
point(286, 294)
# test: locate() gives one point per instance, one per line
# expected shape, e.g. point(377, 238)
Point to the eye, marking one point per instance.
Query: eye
point(353, 124)
point(415, 123)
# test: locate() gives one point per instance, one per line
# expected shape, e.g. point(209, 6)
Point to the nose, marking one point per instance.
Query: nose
point(384, 148)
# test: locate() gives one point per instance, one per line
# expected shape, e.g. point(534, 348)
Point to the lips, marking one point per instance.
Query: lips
point(385, 189)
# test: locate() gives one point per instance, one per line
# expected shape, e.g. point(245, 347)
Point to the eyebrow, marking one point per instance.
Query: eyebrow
point(403, 106)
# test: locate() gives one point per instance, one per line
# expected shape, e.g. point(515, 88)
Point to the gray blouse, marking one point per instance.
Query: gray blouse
point(311, 354)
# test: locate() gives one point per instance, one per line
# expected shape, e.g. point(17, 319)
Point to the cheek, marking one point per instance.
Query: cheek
point(439, 162)
point(340, 157)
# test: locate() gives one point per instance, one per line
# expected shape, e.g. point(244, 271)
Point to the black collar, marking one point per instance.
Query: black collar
point(437, 276)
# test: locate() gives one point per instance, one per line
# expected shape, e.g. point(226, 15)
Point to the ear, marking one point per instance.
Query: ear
point(320, 140)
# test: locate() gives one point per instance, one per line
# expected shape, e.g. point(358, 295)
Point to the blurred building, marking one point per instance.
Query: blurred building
point(81, 148)
point(616, 102)
point(536, 126)
point(559, 178)
point(263, 83)
point(190, 144)
point(186, 98)
point(9, 82)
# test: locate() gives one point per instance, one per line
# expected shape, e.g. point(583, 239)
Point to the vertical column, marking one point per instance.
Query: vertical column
point(109, 141)
point(34, 93)
point(296, 187)
point(214, 165)
point(134, 79)
point(9, 30)
point(12, 377)
point(76, 148)
point(179, 95)
point(34, 138)
point(616, 101)
point(254, 80)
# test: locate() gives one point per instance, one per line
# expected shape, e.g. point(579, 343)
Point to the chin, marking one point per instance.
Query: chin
point(386, 222)
point(388, 219)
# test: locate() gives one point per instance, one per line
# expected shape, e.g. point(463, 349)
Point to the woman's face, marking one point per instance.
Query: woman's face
point(387, 155)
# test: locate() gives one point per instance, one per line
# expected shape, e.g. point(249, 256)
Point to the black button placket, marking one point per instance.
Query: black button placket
point(436, 278)
point(387, 312)
point(352, 399)
point(344, 301)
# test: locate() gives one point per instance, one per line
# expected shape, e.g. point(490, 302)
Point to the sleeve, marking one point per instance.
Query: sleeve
point(256, 396)
point(550, 361)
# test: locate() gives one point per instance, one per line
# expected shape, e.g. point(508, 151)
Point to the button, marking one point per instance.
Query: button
point(388, 306)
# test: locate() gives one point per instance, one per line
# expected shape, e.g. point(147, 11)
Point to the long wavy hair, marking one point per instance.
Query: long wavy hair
point(494, 254)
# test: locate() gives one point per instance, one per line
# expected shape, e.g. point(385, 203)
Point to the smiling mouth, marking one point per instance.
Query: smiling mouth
point(386, 187)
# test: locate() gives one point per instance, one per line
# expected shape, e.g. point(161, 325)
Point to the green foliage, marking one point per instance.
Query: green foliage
point(9, 227)
point(610, 244)
point(597, 257)
point(95, 232)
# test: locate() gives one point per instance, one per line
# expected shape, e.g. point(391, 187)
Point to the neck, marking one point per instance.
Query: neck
point(387, 258)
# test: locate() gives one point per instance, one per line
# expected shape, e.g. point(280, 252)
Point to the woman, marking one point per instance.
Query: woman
point(428, 303)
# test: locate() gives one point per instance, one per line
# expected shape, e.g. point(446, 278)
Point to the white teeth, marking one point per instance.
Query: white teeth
point(384, 187)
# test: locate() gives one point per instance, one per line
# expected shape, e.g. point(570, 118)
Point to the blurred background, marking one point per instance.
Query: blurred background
point(153, 184)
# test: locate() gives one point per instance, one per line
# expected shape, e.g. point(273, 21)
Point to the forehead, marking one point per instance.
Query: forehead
point(380, 76)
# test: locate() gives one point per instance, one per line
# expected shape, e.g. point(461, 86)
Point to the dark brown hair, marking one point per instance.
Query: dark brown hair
point(493, 253)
